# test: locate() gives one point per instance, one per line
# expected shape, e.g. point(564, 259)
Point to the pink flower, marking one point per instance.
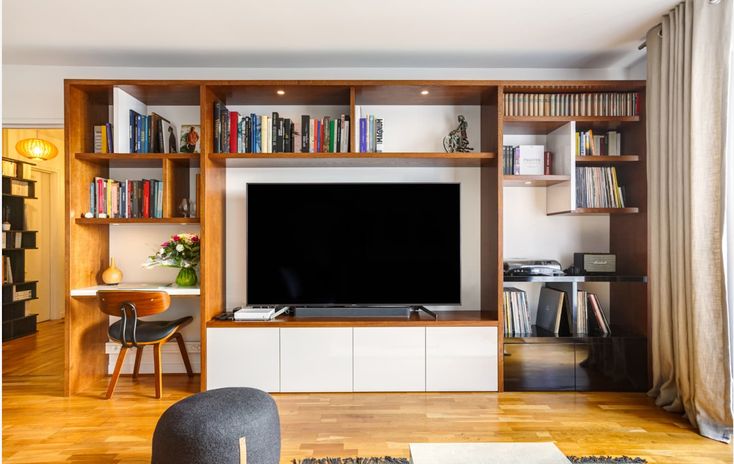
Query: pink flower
point(175, 238)
point(165, 244)
point(195, 238)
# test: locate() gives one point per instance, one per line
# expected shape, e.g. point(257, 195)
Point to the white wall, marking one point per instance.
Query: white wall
point(34, 95)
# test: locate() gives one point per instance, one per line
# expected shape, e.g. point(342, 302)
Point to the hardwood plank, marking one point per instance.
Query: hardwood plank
point(607, 159)
point(41, 426)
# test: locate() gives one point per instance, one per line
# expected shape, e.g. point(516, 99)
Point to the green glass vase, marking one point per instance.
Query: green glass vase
point(186, 277)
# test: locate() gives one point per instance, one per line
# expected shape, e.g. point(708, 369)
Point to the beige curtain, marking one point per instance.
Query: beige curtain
point(689, 57)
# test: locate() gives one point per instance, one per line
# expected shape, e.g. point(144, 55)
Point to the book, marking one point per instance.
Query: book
point(19, 188)
point(516, 312)
point(305, 133)
point(98, 139)
point(274, 122)
point(168, 136)
point(598, 187)
point(529, 160)
point(10, 168)
point(189, 142)
point(572, 104)
point(378, 134)
point(363, 135)
point(234, 138)
point(550, 310)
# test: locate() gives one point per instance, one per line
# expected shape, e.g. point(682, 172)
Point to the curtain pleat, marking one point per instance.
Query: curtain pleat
point(689, 58)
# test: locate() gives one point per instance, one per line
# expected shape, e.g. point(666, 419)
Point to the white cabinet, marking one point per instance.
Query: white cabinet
point(461, 359)
point(243, 358)
point(316, 359)
point(390, 359)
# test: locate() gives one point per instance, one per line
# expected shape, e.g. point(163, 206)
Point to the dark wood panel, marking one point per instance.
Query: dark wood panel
point(293, 93)
point(352, 159)
point(547, 124)
point(425, 94)
point(599, 159)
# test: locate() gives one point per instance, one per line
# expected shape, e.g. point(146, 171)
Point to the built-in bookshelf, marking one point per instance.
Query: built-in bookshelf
point(18, 186)
point(533, 360)
point(416, 115)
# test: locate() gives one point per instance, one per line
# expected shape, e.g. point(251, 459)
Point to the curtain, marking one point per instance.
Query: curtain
point(689, 57)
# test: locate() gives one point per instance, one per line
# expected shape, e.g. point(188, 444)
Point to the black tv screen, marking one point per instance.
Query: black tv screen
point(379, 244)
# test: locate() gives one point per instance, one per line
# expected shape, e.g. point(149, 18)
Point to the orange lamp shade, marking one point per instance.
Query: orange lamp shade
point(37, 149)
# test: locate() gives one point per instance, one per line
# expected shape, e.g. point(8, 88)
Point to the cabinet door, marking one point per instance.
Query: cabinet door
point(243, 357)
point(461, 359)
point(539, 366)
point(390, 359)
point(316, 359)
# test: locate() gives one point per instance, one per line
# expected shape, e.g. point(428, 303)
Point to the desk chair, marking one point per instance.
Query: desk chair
point(131, 332)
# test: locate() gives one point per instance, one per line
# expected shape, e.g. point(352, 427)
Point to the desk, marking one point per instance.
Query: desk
point(171, 289)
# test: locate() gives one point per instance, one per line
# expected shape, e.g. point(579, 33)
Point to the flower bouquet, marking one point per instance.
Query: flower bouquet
point(181, 251)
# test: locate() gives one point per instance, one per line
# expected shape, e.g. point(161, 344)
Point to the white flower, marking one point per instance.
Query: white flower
point(161, 251)
point(179, 248)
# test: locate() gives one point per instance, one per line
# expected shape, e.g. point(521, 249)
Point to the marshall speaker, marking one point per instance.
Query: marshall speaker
point(595, 263)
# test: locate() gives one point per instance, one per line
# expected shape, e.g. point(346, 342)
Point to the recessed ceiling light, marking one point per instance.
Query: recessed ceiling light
point(280, 92)
point(424, 92)
point(527, 182)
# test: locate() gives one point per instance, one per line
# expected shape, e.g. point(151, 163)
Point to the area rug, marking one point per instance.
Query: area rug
point(390, 460)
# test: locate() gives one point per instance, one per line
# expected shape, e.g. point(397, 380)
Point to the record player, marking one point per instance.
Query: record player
point(533, 267)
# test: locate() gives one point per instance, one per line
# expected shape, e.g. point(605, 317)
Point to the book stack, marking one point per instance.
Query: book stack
point(597, 187)
point(591, 317)
point(254, 133)
point(572, 104)
point(589, 144)
point(109, 198)
point(103, 138)
point(526, 160)
point(149, 134)
point(371, 133)
point(516, 313)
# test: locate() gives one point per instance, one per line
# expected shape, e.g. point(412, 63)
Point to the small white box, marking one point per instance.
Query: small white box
point(529, 160)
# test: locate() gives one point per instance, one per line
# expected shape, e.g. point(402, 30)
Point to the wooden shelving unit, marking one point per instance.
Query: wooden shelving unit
point(530, 358)
point(88, 103)
point(16, 322)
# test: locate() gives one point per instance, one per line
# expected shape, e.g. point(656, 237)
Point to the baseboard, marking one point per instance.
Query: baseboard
point(170, 358)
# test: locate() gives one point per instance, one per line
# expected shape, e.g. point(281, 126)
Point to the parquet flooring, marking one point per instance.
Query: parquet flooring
point(41, 426)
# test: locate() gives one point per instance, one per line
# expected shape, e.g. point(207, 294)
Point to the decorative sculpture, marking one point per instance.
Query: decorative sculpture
point(457, 140)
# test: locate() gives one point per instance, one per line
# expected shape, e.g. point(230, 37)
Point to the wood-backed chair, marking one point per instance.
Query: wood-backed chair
point(131, 332)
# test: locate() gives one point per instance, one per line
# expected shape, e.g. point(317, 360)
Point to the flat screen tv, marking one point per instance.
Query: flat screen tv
point(376, 244)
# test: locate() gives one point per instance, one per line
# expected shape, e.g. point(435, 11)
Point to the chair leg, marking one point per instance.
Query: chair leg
point(158, 373)
point(116, 372)
point(138, 358)
point(184, 354)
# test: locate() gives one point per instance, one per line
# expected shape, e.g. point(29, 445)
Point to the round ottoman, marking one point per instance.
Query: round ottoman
point(207, 427)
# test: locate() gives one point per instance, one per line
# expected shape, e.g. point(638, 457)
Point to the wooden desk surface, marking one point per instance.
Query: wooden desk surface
point(171, 289)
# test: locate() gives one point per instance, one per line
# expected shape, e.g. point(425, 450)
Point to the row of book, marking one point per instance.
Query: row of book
point(555, 314)
point(572, 104)
point(598, 187)
point(126, 199)
point(155, 134)
point(516, 313)
point(591, 317)
point(371, 132)
point(103, 138)
point(8, 270)
point(254, 133)
point(12, 239)
point(16, 169)
point(589, 144)
point(526, 160)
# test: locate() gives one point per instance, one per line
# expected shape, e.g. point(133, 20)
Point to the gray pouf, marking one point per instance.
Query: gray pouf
point(206, 428)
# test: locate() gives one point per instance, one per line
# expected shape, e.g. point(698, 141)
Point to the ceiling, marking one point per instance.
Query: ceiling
point(328, 33)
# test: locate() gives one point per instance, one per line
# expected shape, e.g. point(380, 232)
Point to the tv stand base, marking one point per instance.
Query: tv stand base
point(416, 309)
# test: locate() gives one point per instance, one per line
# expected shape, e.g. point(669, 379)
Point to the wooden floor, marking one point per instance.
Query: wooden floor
point(40, 425)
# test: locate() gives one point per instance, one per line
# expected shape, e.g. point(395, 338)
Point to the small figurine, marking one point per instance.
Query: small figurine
point(457, 140)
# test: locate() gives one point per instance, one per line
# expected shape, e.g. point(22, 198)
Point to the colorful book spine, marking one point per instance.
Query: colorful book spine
point(363, 135)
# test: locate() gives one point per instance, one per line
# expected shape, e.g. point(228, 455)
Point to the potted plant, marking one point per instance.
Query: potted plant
point(182, 251)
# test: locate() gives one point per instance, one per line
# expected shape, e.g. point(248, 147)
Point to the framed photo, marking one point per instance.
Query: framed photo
point(190, 135)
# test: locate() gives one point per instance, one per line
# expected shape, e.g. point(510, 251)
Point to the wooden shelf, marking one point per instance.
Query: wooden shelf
point(105, 221)
point(352, 159)
point(137, 159)
point(547, 124)
point(607, 159)
point(19, 196)
point(572, 278)
point(20, 179)
point(21, 248)
point(15, 284)
point(596, 211)
point(533, 181)
point(8, 303)
point(445, 319)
